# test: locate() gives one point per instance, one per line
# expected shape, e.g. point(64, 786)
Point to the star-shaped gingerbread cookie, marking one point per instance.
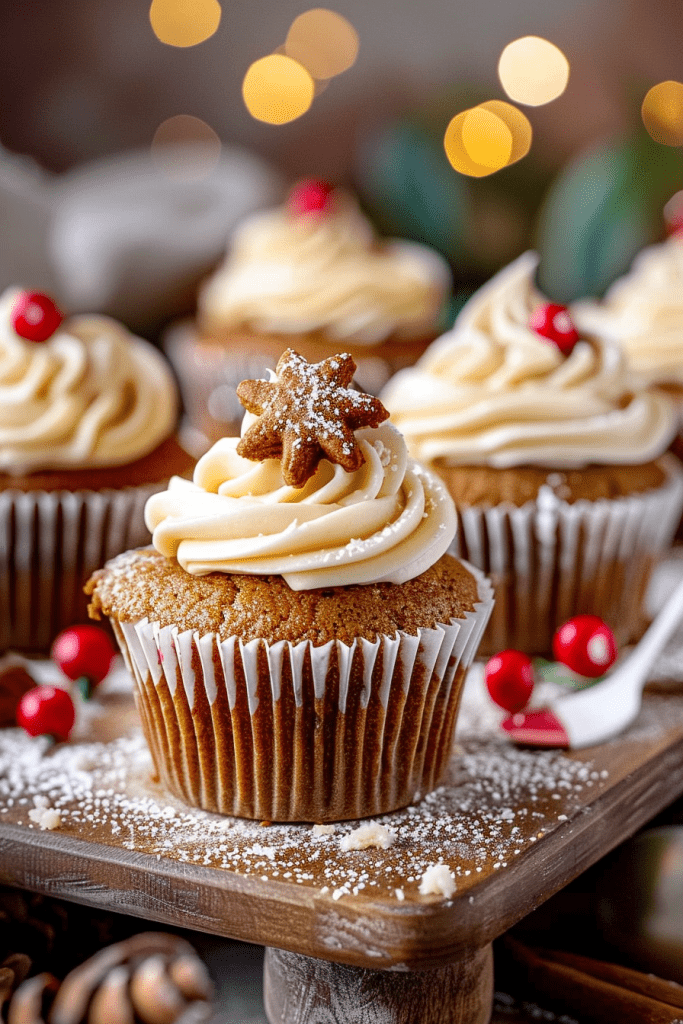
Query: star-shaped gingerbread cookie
point(306, 414)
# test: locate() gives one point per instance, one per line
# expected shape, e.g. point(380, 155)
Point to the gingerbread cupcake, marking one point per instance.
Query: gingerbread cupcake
point(554, 455)
point(313, 275)
point(642, 312)
point(298, 635)
point(87, 433)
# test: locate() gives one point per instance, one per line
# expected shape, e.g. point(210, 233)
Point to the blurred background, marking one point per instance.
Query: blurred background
point(83, 84)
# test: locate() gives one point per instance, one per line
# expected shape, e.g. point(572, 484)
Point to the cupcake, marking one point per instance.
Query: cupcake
point(643, 313)
point(554, 455)
point(298, 634)
point(310, 274)
point(87, 420)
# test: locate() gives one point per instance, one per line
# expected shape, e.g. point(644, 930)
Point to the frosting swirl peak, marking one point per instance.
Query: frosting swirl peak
point(492, 392)
point(643, 313)
point(295, 274)
point(92, 395)
point(387, 521)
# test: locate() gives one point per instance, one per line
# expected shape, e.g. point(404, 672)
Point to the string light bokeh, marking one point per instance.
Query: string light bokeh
point(324, 42)
point(487, 138)
point(185, 148)
point(496, 134)
point(184, 23)
point(533, 71)
point(320, 45)
point(662, 113)
point(277, 89)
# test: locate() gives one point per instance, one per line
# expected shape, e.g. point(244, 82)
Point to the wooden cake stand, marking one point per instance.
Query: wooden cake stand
point(350, 937)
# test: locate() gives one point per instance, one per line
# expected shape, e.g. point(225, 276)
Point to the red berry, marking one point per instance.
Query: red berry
point(35, 316)
point(46, 711)
point(84, 652)
point(553, 322)
point(586, 645)
point(509, 678)
point(310, 196)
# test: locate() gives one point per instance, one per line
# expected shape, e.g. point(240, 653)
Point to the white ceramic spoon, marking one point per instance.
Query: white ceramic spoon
point(602, 711)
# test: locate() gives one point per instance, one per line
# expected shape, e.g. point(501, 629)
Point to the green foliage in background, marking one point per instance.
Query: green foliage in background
point(600, 211)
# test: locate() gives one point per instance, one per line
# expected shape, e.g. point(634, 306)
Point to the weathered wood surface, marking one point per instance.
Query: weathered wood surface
point(513, 827)
point(299, 990)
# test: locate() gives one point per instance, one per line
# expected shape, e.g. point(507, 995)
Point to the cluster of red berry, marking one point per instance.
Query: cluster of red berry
point(84, 654)
point(585, 644)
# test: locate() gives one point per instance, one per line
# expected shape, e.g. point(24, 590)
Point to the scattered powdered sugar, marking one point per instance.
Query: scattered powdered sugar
point(437, 881)
point(365, 836)
point(496, 802)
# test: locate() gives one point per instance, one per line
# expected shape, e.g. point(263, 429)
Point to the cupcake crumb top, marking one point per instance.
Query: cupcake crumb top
point(144, 584)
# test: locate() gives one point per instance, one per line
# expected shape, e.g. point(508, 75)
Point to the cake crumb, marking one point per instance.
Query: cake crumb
point(437, 880)
point(364, 836)
point(44, 815)
point(323, 830)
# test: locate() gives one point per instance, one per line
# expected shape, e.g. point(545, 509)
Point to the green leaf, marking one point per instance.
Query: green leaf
point(410, 188)
point(600, 211)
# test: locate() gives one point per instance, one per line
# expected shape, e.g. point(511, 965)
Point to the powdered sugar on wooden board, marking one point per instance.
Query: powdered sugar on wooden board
point(497, 802)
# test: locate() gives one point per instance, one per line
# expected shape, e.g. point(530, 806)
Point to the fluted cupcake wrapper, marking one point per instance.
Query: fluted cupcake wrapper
point(294, 732)
point(550, 560)
point(50, 544)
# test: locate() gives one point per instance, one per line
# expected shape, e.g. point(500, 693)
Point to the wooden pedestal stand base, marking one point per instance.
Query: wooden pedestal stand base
point(302, 990)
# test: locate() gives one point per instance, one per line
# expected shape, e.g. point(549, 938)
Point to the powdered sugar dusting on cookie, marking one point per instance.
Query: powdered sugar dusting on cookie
point(307, 413)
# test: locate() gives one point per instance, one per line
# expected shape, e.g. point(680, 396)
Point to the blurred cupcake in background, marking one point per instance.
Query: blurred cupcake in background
point(554, 455)
point(311, 274)
point(298, 634)
point(643, 313)
point(87, 432)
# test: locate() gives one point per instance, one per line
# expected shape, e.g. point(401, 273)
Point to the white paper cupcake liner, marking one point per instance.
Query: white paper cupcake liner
point(50, 544)
point(293, 732)
point(550, 560)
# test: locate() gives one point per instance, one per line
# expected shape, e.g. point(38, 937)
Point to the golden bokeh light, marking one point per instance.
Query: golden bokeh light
point(533, 71)
point(277, 89)
point(518, 124)
point(456, 152)
point(662, 113)
point(487, 138)
point(185, 148)
point(184, 22)
point(323, 41)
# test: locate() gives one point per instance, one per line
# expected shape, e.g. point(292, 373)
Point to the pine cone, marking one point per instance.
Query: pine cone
point(150, 978)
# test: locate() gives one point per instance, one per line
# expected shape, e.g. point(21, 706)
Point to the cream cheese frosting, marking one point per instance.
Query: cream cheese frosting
point(643, 313)
point(386, 522)
point(92, 395)
point(493, 392)
point(294, 274)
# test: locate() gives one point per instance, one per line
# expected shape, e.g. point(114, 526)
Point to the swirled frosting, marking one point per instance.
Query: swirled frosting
point(492, 392)
point(295, 274)
point(386, 522)
point(92, 395)
point(643, 313)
